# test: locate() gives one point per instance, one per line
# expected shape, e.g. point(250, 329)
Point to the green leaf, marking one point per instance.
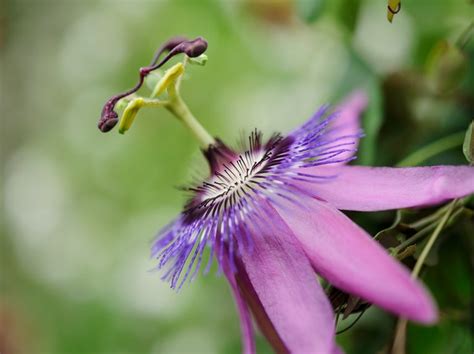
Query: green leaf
point(447, 66)
point(432, 149)
point(468, 146)
point(371, 121)
point(310, 10)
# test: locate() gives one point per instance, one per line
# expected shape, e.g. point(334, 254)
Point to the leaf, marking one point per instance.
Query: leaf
point(446, 66)
point(310, 10)
point(468, 146)
point(372, 121)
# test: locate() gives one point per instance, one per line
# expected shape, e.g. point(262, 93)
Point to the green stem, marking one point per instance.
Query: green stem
point(400, 337)
point(432, 239)
point(400, 331)
point(430, 150)
point(182, 112)
point(175, 104)
point(420, 234)
point(428, 219)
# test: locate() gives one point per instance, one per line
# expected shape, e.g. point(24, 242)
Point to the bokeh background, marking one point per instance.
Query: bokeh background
point(80, 208)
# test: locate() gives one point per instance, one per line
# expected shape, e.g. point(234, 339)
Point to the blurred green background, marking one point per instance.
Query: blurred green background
point(80, 208)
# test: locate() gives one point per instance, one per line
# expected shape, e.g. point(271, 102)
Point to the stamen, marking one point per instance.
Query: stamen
point(226, 207)
point(166, 47)
point(177, 45)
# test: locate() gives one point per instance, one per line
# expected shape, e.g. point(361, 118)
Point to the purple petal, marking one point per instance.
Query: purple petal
point(382, 188)
point(248, 340)
point(285, 283)
point(349, 259)
point(259, 313)
point(348, 121)
point(337, 350)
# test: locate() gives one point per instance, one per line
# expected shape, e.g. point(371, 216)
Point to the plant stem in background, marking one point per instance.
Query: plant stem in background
point(432, 239)
point(400, 331)
point(430, 150)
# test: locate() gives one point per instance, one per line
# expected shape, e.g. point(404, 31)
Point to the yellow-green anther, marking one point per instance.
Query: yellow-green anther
point(129, 114)
point(169, 83)
point(393, 8)
point(171, 75)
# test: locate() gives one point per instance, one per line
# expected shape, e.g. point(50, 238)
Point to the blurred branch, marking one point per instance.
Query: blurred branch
point(465, 37)
point(433, 149)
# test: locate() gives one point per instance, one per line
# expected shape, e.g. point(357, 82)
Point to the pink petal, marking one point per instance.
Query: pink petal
point(259, 313)
point(248, 340)
point(348, 120)
point(382, 188)
point(349, 259)
point(337, 350)
point(285, 283)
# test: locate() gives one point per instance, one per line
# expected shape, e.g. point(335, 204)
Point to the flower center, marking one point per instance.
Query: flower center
point(236, 177)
